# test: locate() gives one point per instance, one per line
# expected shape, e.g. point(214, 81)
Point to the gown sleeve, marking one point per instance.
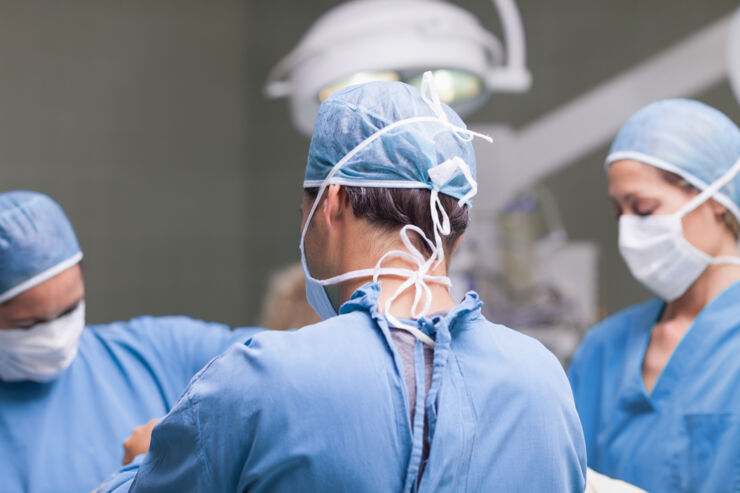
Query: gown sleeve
point(175, 457)
point(183, 345)
point(217, 434)
point(179, 457)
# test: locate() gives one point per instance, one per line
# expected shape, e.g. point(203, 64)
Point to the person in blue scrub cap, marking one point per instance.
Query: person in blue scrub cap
point(399, 388)
point(656, 385)
point(70, 393)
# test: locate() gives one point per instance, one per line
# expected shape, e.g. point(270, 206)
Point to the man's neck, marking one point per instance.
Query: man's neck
point(403, 305)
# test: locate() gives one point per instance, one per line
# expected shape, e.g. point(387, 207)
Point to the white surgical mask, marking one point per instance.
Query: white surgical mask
point(418, 278)
point(659, 255)
point(42, 352)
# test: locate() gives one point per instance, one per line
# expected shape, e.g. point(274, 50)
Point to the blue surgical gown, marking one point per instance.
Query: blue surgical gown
point(325, 409)
point(685, 435)
point(67, 435)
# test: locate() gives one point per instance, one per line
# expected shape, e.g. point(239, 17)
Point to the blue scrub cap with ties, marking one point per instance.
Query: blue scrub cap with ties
point(37, 242)
point(416, 133)
point(688, 138)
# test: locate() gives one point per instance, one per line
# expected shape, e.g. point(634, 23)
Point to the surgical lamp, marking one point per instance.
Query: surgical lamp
point(366, 40)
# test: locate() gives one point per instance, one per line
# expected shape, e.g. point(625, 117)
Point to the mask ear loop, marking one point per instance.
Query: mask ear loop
point(709, 192)
point(705, 195)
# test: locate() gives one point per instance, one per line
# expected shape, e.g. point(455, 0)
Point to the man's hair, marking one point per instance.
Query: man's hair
point(393, 208)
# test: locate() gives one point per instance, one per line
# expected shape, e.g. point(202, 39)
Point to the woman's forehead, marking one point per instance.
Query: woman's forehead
point(57, 293)
point(628, 178)
point(629, 168)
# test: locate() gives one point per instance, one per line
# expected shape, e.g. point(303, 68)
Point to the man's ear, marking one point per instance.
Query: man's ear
point(335, 205)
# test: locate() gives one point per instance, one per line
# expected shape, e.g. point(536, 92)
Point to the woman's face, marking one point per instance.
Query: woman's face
point(639, 189)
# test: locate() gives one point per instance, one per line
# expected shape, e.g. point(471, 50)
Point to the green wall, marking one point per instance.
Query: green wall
point(133, 116)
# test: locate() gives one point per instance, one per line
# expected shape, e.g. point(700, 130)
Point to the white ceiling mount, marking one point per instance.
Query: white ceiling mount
point(365, 40)
point(733, 55)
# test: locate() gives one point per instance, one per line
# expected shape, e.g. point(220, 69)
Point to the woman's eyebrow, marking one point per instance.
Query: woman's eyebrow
point(629, 197)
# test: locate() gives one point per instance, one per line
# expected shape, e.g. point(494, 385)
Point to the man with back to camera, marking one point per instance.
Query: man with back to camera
point(70, 393)
point(404, 389)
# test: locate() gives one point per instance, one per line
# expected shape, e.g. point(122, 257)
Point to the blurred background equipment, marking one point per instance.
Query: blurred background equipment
point(528, 274)
point(284, 305)
point(365, 40)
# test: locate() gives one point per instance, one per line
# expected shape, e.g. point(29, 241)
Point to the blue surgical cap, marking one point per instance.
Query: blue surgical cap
point(37, 242)
point(685, 137)
point(400, 158)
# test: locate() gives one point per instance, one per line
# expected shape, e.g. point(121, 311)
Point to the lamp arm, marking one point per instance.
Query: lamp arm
point(514, 76)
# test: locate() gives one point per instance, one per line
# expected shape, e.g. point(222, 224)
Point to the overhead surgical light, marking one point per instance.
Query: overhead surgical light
point(733, 55)
point(365, 40)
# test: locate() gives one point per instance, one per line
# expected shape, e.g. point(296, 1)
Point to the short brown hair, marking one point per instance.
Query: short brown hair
point(728, 218)
point(393, 208)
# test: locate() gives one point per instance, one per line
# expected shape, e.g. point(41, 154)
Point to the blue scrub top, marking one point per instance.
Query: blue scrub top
point(67, 435)
point(685, 435)
point(325, 409)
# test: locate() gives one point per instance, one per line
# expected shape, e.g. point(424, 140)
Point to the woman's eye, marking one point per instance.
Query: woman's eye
point(644, 207)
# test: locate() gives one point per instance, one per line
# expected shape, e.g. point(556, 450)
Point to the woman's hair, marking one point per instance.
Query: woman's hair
point(393, 208)
point(729, 219)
